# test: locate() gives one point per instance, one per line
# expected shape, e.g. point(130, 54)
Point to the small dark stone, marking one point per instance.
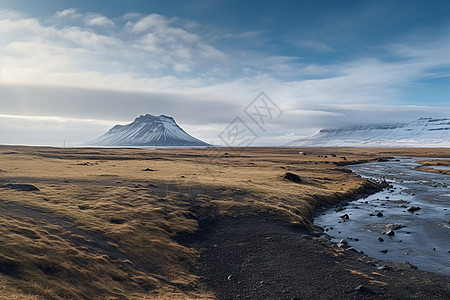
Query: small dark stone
point(148, 170)
point(413, 208)
point(379, 214)
point(384, 184)
point(117, 220)
point(384, 251)
point(292, 177)
point(390, 232)
point(345, 217)
point(380, 239)
point(20, 187)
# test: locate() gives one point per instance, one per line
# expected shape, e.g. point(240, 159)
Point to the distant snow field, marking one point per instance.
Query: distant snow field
point(424, 132)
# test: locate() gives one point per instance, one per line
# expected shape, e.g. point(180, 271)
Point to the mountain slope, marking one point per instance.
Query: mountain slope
point(148, 130)
point(424, 132)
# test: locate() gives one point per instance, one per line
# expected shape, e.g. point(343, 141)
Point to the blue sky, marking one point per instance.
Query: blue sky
point(71, 69)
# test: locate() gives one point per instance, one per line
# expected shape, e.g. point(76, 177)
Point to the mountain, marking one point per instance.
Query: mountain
point(424, 132)
point(148, 130)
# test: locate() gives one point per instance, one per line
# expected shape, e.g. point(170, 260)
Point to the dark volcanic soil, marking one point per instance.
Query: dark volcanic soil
point(258, 257)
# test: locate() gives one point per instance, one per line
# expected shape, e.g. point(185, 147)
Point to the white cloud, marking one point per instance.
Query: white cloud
point(68, 13)
point(92, 19)
point(139, 51)
point(166, 59)
point(148, 23)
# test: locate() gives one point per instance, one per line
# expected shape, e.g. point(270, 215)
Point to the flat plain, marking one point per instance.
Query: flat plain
point(97, 223)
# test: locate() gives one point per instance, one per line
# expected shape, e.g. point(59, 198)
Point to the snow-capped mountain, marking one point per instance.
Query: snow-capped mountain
point(148, 130)
point(424, 132)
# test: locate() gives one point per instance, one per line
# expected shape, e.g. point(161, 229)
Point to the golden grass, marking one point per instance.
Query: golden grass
point(102, 227)
point(427, 166)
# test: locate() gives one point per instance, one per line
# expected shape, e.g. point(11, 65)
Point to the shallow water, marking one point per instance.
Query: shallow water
point(441, 167)
point(424, 241)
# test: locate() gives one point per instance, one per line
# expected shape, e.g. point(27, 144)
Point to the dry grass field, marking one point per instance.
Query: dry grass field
point(428, 166)
point(103, 222)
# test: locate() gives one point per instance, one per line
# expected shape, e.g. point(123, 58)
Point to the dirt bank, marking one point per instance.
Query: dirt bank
point(258, 257)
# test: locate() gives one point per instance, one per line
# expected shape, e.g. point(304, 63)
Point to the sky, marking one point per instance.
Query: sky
point(70, 70)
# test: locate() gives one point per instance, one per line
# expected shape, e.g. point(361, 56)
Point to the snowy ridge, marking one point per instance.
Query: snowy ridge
point(148, 130)
point(424, 132)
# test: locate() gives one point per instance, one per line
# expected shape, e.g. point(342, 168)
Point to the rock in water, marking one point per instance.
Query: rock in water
point(413, 208)
point(389, 232)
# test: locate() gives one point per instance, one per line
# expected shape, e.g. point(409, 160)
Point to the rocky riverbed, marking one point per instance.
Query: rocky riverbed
point(408, 221)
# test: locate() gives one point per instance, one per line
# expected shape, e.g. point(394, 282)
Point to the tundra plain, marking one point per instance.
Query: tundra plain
point(97, 223)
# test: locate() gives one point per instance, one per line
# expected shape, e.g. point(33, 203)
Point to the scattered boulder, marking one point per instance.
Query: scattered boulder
point(148, 170)
point(384, 251)
point(339, 208)
point(413, 208)
point(379, 214)
point(384, 184)
point(20, 187)
point(345, 217)
point(382, 159)
point(389, 232)
point(380, 239)
point(410, 265)
point(292, 177)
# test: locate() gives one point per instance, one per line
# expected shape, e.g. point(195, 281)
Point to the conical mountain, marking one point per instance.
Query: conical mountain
point(148, 130)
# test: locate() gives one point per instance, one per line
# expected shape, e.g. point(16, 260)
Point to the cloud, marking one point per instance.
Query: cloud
point(140, 50)
point(98, 69)
point(68, 13)
point(92, 19)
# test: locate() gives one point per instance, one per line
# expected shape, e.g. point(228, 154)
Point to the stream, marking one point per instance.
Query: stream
point(416, 208)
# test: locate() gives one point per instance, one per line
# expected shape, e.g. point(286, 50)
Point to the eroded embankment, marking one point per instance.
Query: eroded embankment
point(368, 187)
point(259, 257)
